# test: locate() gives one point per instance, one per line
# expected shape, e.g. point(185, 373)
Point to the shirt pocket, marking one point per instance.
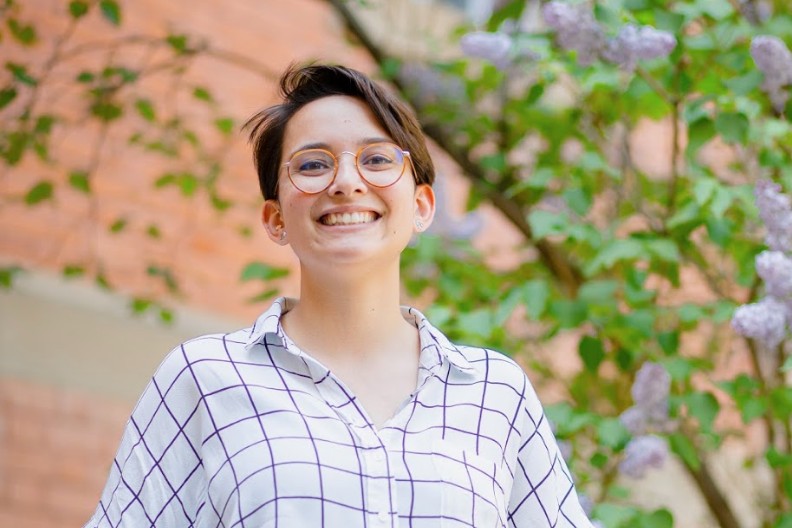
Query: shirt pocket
point(471, 494)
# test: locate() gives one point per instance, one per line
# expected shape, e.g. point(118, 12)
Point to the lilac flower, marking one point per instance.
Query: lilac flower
point(775, 269)
point(650, 392)
point(775, 210)
point(638, 42)
point(774, 59)
point(651, 386)
point(764, 321)
point(635, 420)
point(430, 86)
point(642, 453)
point(576, 29)
point(493, 47)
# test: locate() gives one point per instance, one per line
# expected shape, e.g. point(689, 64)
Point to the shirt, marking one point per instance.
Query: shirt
point(246, 430)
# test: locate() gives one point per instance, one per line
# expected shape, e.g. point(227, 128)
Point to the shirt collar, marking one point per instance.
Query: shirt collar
point(269, 323)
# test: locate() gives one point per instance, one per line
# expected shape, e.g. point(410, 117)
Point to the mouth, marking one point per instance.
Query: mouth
point(357, 217)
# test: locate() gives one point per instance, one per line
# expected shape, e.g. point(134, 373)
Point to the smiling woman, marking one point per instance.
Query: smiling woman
point(340, 408)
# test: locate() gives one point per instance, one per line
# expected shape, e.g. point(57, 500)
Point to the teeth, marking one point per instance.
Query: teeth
point(349, 218)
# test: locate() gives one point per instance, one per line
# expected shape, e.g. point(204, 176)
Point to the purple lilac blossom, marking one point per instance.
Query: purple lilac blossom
point(635, 420)
point(494, 47)
point(651, 386)
point(576, 29)
point(431, 86)
point(634, 43)
point(775, 210)
point(775, 269)
point(764, 321)
point(774, 59)
point(650, 392)
point(642, 453)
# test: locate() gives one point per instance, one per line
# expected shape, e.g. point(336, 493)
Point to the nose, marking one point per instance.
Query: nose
point(347, 179)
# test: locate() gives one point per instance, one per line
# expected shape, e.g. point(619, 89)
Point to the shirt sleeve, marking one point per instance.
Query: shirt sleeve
point(156, 478)
point(543, 493)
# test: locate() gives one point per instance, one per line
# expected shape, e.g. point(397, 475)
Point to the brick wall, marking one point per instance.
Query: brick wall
point(56, 446)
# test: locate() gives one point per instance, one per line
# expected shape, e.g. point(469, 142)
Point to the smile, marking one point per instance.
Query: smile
point(358, 217)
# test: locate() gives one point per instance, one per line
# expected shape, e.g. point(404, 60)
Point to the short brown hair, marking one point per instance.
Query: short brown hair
point(300, 85)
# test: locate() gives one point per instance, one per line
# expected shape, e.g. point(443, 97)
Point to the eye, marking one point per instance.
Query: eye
point(380, 157)
point(311, 164)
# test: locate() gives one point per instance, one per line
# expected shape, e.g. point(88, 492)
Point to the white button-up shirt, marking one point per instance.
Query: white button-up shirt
point(245, 429)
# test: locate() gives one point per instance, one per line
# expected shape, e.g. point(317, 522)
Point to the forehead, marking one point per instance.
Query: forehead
point(330, 120)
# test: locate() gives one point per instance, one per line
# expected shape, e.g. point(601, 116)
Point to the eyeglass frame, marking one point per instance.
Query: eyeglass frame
point(406, 154)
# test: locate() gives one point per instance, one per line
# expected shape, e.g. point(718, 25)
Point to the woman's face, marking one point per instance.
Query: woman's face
point(351, 221)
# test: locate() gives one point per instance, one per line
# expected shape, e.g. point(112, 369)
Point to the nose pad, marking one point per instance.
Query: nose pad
point(347, 179)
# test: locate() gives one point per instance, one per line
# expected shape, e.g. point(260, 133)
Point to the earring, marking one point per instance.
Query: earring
point(283, 235)
point(419, 225)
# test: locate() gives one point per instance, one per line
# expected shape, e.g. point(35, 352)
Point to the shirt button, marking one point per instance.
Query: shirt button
point(383, 516)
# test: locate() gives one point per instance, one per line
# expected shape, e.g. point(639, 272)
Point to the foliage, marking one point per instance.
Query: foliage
point(642, 268)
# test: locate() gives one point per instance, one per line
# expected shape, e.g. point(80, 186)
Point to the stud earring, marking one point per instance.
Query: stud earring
point(419, 225)
point(283, 235)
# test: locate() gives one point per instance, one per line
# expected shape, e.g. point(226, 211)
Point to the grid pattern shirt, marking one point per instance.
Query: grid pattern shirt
point(246, 430)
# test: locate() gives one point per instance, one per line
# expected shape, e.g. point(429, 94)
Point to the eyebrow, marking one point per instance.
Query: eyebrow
point(326, 146)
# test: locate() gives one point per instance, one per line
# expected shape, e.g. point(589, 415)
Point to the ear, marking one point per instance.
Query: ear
point(424, 207)
point(272, 218)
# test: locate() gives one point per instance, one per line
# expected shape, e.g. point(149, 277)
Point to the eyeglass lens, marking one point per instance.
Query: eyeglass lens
point(380, 164)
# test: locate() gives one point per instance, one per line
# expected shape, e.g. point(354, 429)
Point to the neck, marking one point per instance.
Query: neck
point(351, 316)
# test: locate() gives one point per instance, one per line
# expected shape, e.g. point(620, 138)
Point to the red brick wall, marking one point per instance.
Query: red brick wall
point(56, 447)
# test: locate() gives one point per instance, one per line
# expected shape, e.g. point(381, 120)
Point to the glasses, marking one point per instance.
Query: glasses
point(314, 170)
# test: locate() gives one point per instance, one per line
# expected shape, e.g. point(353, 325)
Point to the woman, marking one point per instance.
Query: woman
point(342, 408)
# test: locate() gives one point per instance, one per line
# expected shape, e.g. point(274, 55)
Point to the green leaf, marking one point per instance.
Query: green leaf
point(153, 231)
point(569, 314)
point(24, 33)
point(79, 180)
point(684, 448)
point(615, 251)
point(166, 315)
point(700, 132)
point(732, 127)
point(78, 8)
point(745, 84)
point(118, 225)
point(177, 42)
point(7, 95)
point(657, 519)
point(546, 223)
point(7, 276)
point(262, 271)
point(85, 77)
point(202, 94)
point(592, 352)
point(704, 407)
point(225, 125)
point(73, 270)
point(146, 110)
point(111, 11)
point(140, 305)
point(20, 73)
point(106, 111)
point(668, 341)
point(43, 190)
point(535, 294)
point(703, 189)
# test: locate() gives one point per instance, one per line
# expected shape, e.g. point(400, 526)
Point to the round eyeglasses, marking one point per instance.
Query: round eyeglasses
point(314, 170)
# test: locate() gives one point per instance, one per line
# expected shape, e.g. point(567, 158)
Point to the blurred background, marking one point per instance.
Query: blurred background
point(597, 165)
